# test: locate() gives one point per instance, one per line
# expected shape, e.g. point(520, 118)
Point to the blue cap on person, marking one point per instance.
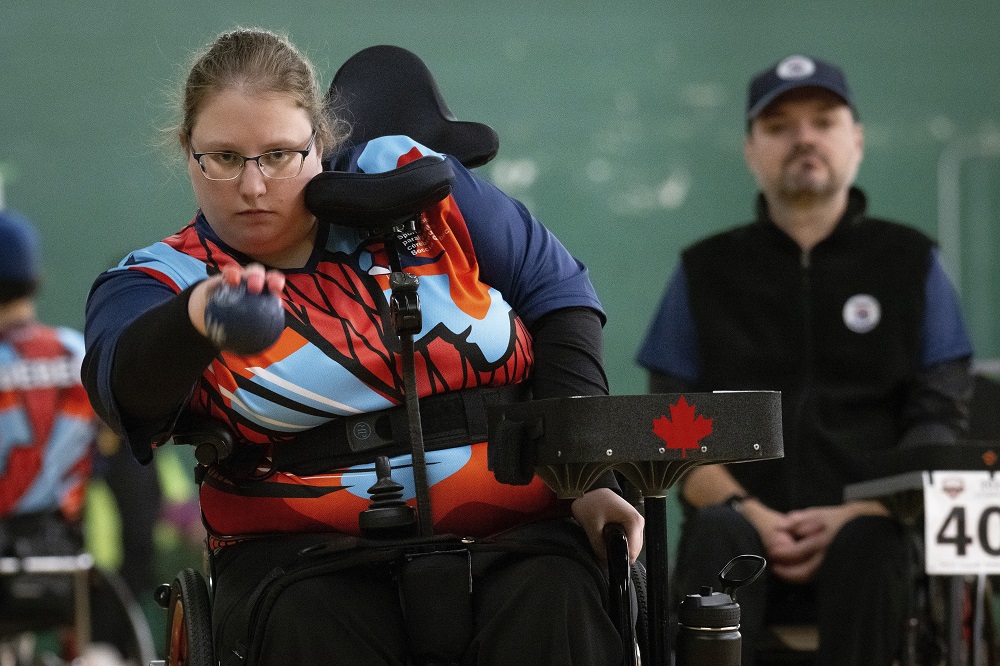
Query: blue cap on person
point(19, 248)
point(796, 71)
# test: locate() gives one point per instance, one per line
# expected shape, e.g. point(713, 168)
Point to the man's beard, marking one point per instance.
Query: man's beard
point(800, 185)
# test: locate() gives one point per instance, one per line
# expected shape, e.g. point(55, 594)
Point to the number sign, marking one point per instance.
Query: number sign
point(962, 522)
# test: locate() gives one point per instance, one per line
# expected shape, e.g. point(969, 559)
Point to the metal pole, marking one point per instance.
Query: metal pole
point(658, 597)
point(81, 608)
point(406, 320)
point(976, 645)
point(424, 517)
point(956, 598)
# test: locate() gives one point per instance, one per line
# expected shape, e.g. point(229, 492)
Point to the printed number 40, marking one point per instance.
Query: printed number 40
point(953, 531)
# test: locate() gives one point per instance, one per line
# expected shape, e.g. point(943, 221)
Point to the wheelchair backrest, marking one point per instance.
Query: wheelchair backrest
point(386, 90)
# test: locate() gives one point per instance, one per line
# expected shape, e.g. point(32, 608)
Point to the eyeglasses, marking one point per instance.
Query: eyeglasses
point(275, 164)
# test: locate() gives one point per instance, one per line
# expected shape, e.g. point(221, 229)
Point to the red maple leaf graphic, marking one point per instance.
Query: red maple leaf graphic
point(682, 430)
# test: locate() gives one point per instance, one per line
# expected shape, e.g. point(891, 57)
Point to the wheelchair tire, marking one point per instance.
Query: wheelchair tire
point(189, 621)
point(638, 575)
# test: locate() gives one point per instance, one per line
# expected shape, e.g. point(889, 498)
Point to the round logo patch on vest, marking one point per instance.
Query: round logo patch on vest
point(862, 313)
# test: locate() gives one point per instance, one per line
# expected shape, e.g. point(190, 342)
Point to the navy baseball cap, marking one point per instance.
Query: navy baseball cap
point(796, 71)
point(19, 251)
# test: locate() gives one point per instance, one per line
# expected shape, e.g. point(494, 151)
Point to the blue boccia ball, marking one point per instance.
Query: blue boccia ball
point(241, 322)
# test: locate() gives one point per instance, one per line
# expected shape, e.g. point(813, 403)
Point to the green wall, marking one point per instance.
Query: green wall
point(620, 123)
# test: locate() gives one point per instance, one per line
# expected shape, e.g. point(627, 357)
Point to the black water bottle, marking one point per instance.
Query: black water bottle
point(709, 631)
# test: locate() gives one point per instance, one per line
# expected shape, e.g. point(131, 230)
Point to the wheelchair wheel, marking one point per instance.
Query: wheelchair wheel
point(189, 621)
point(117, 618)
point(638, 572)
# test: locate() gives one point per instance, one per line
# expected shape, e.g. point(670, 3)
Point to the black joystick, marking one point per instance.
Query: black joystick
point(242, 322)
point(388, 516)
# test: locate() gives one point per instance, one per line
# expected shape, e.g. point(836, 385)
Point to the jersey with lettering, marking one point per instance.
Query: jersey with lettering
point(47, 426)
point(485, 267)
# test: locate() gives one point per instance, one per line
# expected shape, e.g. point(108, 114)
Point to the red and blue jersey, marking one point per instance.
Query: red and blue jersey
point(47, 426)
point(486, 268)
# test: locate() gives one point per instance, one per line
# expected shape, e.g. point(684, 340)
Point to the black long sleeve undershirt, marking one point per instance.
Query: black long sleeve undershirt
point(172, 355)
point(569, 352)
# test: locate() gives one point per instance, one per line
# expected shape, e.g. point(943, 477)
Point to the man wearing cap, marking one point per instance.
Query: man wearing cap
point(853, 319)
point(47, 426)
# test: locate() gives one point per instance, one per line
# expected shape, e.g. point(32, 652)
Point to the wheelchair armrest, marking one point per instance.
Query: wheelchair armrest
point(896, 477)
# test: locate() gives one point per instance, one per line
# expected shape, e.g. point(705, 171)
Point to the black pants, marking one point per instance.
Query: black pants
point(858, 600)
point(527, 609)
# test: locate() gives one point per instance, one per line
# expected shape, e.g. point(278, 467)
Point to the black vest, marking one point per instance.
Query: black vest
point(769, 317)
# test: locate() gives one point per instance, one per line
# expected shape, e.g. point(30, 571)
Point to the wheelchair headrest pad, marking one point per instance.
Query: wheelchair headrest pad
point(379, 201)
point(387, 90)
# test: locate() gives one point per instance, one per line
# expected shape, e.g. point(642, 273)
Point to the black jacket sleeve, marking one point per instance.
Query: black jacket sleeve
point(937, 405)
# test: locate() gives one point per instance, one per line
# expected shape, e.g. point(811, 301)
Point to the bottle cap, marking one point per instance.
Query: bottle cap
point(710, 610)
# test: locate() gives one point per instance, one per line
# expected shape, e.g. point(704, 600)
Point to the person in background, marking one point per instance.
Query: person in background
point(505, 306)
point(47, 434)
point(139, 501)
point(854, 320)
point(47, 426)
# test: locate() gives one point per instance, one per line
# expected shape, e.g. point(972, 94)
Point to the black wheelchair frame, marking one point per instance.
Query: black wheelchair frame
point(59, 589)
point(940, 604)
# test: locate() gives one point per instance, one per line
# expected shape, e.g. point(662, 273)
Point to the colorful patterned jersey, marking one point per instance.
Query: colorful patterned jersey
point(484, 265)
point(47, 426)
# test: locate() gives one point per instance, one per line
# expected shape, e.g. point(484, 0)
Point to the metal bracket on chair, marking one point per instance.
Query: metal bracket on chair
point(404, 310)
point(404, 303)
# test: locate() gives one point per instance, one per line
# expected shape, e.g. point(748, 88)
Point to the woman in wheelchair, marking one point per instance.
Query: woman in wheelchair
point(507, 313)
point(47, 429)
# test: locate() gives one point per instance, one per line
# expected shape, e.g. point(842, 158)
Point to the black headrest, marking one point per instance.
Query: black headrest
point(378, 201)
point(387, 90)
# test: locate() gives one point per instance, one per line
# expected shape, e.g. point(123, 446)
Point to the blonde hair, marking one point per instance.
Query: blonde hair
point(261, 62)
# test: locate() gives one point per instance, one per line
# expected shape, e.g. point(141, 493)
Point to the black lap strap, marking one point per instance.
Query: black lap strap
point(450, 419)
